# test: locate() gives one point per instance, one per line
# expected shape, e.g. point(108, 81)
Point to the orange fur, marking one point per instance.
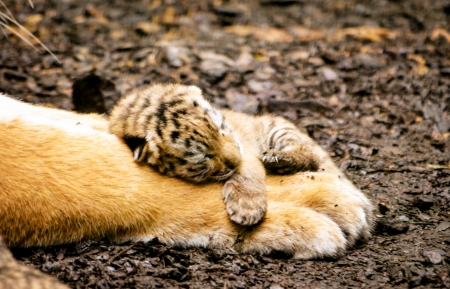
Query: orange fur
point(64, 178)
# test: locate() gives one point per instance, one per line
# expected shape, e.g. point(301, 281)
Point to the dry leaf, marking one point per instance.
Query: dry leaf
point(438, 32)
point(421, 68)
point(169, 16)
point(97, 14)
point(305, 34)
point(269, 34)
point(438, 167)
point(32, 21)
point(374, 34)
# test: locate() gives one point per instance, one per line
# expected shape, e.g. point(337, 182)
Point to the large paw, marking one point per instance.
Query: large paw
point(245, 203)
point(289, 162)
point(296, 231)
point(335, 197)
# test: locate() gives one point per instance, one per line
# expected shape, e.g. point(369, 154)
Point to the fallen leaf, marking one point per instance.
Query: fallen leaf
point(439, 32)
point(375, 34)
point(421, 68)
point(305, 34)
point(96, 13)
point(32, 21)
point(437, 167)
point(269, 34)
point(169, 16)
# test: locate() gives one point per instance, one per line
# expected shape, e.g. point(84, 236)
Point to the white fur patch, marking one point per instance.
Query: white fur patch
point(214, 114)
point(11, 110)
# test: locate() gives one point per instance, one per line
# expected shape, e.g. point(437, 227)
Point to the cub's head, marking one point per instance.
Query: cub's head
point(191, 141)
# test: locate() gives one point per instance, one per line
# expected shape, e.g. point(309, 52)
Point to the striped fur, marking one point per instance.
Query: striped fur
point(175, 130)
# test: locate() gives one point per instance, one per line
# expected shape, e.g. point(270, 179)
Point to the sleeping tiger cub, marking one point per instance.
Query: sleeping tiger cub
point(175, 130)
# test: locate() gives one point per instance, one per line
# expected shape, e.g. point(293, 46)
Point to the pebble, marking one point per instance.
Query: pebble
point(443, 226)
point(432, 111)
point(329, 74)
point(259, 86)
point(265, 73)
point(316, 61)
point(368, 61)
point(147, 28)
point(176, 56)
point(241, 102)
point(433, 256)
point(244, 62)
point(209, 55)
point(298, 55)
point(333, 101)
point(213, 68)
point(48, 81)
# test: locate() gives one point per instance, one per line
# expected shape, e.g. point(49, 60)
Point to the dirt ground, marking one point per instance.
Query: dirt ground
point(368, 80)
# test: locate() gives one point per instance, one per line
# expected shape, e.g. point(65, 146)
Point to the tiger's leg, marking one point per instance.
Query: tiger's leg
point(310, 215)
point(244, 193)
point(283, 151)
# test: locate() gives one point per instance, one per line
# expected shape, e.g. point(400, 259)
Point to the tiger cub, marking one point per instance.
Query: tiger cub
point(175, 130)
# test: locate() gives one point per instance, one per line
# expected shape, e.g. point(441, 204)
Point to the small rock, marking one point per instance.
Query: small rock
point(176, 56)
point(443, 226)
point(403, 218)
point(298, 55)
point(329, 74)
point(110, 269)
point(214, 69)
point(303, 82)
point(32, 85)
point(146, 28)
point(316, 61)
point(241, 102)
point(433, 256)
point(265, 73)
point(333, 101)
point(443, 126)
point(368, 61)
point(244, 61)
point(209, 55)
point(276, 287)
point(432, 111)
point(48, 82)
point(259, 86)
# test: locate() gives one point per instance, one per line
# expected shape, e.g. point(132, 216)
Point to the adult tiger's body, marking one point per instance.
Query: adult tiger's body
point(64, 178)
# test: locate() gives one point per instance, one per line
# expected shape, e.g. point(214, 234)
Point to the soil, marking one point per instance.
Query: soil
point(368, 80)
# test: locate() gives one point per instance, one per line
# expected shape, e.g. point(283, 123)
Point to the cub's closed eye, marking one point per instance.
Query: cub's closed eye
point(209, 156)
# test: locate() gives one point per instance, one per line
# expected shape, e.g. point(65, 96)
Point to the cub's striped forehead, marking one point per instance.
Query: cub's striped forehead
point(215, 116)
point(192, 95)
